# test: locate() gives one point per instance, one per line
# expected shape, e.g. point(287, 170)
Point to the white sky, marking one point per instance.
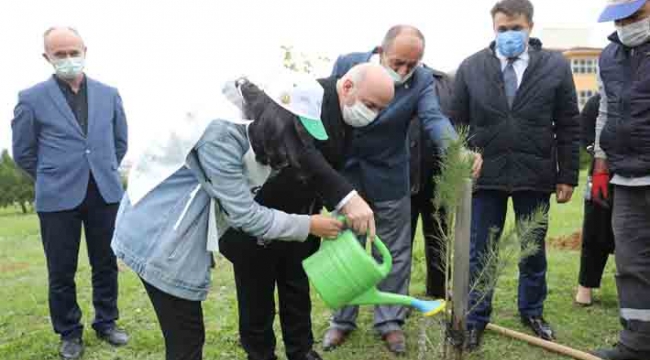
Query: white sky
point(164, 55)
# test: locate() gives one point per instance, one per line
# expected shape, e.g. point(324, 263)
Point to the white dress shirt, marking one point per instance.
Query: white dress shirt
point(520, 65)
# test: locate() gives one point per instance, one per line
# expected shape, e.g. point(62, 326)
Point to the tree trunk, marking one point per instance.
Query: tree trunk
point(23, 207)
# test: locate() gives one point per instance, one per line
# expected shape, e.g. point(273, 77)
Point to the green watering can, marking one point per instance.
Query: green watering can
point(343, 273)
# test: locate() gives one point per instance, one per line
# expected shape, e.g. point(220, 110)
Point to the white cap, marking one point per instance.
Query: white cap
point(302, 95)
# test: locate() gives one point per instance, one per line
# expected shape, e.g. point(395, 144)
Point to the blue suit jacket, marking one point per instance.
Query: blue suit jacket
point(378, 157)
point(50, 146)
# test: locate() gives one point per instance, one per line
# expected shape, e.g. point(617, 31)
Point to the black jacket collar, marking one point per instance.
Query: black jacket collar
point(331, 112)
point(613, 37)
point(338, 131)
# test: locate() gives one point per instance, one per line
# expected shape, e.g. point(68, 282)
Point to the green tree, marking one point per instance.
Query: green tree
point(6, 182)
point(16, 186)
point(515, 244)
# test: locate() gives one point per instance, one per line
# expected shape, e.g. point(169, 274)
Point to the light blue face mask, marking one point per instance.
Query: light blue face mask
point(512, 43)
point(69, 68)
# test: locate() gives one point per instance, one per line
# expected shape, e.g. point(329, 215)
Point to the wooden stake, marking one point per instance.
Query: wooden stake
point(460, 270)
point(547, 345)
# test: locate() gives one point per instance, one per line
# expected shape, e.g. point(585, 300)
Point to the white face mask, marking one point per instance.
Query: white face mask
point(69, 68)
point(358, 115)
point(397, 78)
point(634, 34)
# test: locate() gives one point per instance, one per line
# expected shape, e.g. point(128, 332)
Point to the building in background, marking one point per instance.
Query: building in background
point(584, 65)
point(574, 45)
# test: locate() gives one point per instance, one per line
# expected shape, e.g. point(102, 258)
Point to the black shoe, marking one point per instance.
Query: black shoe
point(71, 349)
point(312, 355)
point(473, 338)
point(114, 336)
point(539, 326)
point(621, 352)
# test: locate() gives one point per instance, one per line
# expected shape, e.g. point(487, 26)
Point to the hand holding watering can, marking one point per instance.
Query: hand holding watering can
point(343, 273)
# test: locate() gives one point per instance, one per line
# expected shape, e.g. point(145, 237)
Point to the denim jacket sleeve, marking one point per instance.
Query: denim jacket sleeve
point(221, 161)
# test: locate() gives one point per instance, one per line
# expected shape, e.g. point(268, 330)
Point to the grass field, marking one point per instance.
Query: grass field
point(25, 331)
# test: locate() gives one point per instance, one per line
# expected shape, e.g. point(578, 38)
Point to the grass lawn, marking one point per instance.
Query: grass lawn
point(26, 334)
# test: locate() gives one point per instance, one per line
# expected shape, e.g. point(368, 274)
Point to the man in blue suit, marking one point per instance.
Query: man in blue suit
point(378, 166)
point(70, 135)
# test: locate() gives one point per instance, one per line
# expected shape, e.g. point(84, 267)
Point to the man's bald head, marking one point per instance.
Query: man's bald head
point(62, 42)
point(368, 83)
point(407, 31)
point(402, 49)
point(373, 85)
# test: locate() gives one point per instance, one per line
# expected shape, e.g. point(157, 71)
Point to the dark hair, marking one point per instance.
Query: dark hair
point(514, 8)
point(277, 136)
point(395, 31)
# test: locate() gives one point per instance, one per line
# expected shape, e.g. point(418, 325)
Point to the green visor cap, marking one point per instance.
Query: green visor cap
point(314, 127)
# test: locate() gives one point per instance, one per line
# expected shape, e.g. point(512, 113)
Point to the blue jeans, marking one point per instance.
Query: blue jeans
point(489, 209)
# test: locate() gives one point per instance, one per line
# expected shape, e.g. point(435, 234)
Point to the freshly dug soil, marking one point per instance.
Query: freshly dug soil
point(568, 242)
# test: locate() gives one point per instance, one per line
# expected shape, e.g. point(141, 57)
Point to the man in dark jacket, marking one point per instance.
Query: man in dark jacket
point(425, 164)
point(520, 103)
point(623, 154)
point(259, 267)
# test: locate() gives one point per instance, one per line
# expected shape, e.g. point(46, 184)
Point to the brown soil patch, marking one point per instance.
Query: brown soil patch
point(568, 242)
point(11, 267)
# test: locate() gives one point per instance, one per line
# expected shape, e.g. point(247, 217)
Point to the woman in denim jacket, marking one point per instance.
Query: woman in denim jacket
point(167, 232)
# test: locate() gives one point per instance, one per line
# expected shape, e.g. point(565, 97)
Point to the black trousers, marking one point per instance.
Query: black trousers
point(181, 322)
point(422, 204)
point(61, 234)
point(258, 269)
point(597, 243)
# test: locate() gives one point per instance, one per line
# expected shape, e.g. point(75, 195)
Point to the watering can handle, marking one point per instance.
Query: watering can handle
point(387, 258)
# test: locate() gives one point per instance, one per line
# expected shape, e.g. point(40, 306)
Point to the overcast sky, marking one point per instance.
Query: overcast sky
point(164, 55)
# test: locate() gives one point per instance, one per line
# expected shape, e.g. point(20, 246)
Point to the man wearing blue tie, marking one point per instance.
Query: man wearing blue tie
point(519, 101)
point(70, 135)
